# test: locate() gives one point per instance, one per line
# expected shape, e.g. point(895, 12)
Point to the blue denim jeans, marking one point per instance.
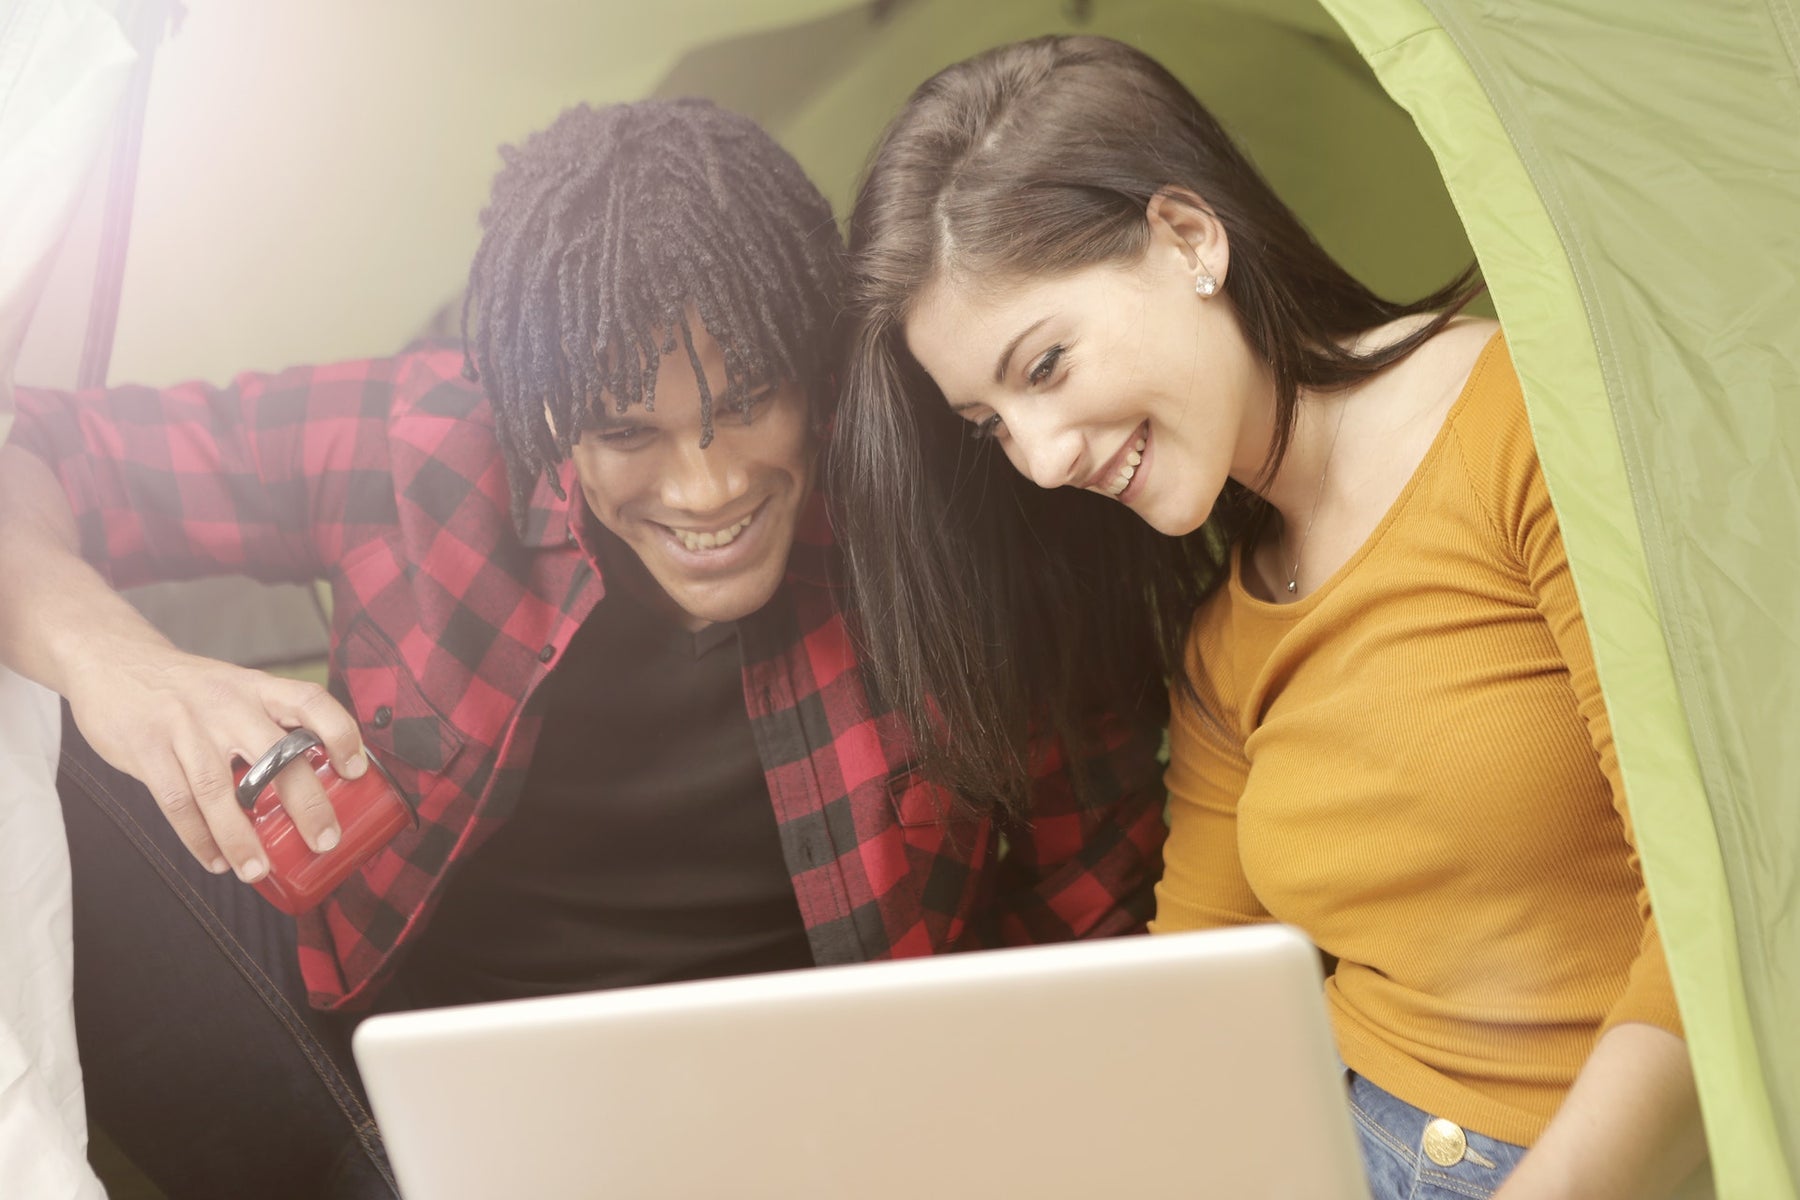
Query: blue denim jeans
point(200, 1055)
point(1410, 1155)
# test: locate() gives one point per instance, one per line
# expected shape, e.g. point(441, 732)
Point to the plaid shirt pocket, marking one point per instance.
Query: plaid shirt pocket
point(918, 801)
point(934, 826)
point(413, 740)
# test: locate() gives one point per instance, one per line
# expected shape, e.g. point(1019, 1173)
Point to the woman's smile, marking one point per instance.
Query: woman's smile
point(1120, 473)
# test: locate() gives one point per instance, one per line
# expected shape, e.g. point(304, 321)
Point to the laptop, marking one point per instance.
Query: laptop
point(1193, 1065)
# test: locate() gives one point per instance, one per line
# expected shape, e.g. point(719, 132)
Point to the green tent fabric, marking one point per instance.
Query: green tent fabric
point(1629, 177)
point(1632, 186)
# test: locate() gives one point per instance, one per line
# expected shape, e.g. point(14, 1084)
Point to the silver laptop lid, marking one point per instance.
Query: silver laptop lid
point(1178, 1065)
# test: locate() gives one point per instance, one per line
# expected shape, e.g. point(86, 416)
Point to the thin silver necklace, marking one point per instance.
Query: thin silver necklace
point(1293, 579)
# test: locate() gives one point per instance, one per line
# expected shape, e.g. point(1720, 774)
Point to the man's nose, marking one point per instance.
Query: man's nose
point(704, 481)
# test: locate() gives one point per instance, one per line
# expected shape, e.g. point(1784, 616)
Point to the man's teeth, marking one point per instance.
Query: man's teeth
point(1122, 480)
point(711, 541)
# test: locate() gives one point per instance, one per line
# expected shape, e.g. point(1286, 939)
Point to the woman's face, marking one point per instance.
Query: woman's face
point(1120, 379)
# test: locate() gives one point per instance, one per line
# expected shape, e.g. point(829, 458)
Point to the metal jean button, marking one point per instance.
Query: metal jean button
point(1445, 1142)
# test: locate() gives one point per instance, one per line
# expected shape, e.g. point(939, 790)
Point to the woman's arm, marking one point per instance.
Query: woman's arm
point(1630, 1125)
point(1203, 884)
point(1629, 1128)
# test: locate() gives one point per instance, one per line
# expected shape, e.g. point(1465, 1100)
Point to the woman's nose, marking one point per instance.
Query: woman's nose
point(1047, 456)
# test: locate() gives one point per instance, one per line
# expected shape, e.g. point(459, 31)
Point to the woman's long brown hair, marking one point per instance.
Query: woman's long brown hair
point(992, 610)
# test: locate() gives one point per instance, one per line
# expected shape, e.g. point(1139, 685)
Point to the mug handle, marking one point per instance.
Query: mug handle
point(270, 764)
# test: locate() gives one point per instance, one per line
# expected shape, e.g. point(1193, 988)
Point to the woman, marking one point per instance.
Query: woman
point(1387, 728)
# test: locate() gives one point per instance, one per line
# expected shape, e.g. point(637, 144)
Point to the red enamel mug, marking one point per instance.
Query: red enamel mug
point(370, 811)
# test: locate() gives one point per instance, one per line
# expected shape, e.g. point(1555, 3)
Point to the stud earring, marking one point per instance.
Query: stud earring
point(1206, 285)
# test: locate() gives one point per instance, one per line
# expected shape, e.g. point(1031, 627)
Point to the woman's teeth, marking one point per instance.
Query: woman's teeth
point(711, 541)
point(1122, 480)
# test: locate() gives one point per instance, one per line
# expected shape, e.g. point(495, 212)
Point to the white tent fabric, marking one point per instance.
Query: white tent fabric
point(63, 68)
point(43, 1126)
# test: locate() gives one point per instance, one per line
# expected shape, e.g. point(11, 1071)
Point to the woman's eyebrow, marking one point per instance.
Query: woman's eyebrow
point(1006, 354)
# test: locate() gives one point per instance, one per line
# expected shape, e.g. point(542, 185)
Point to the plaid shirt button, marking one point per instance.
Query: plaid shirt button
point(547, 653)
point(384, 716)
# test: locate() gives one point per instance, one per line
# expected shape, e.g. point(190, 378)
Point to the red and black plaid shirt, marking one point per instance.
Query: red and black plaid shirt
point(384, 477)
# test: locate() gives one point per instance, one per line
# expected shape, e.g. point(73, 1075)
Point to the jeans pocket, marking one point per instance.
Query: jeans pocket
point(1484, 1166)
point(1390, 1163)
point(1410, 1155)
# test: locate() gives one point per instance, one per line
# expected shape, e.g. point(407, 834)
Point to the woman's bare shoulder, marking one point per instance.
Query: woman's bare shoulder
point(1459, 344)
point(1421, 388)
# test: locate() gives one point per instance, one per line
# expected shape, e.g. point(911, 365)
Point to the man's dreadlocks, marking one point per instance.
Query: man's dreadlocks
point(600, 234)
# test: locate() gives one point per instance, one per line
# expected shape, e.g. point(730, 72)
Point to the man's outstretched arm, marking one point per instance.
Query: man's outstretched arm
point(172, 720)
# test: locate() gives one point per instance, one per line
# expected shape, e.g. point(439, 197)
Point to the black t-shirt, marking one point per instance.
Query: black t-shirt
point(644, 848)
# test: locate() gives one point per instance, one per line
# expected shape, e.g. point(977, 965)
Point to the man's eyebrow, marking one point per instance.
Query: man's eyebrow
point(1006, 354)
point(748, 391)
point(602, 416)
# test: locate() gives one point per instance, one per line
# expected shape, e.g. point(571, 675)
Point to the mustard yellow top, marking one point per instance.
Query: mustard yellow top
point(1415, 767)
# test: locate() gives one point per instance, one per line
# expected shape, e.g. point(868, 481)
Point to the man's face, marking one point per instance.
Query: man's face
point(712, 527)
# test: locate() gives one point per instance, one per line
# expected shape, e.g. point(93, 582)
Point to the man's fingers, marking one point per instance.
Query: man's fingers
point(307, 804)
point(312, 707)
point(169, 785)
point(214, 792)
point(296, 785)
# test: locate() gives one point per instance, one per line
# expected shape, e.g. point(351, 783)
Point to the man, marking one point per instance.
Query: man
point(590, 623)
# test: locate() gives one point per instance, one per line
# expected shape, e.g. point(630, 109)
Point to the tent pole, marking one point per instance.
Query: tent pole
point(146, 22)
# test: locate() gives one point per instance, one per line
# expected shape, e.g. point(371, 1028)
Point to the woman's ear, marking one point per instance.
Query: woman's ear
point(1182, 224)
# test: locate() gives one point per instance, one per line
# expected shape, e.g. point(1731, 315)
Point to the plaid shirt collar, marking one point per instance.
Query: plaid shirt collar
point(552, 520)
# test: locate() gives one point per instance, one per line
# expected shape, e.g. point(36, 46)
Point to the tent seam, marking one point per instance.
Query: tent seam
point(1651, 523)
point(1787, 30)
